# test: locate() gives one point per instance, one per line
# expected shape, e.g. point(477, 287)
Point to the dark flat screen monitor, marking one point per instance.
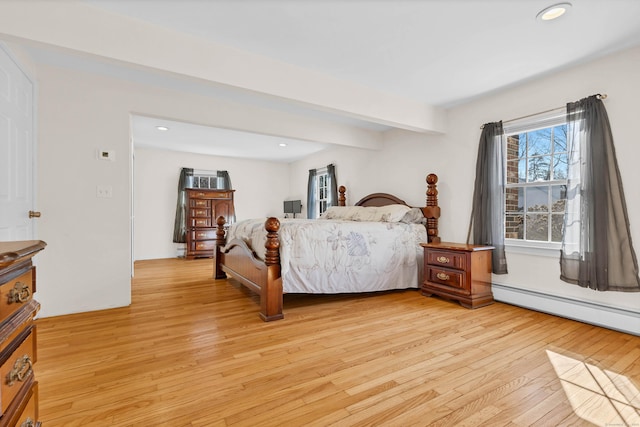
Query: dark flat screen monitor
point(292, 206)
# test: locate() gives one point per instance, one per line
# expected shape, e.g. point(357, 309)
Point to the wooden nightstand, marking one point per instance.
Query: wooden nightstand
point(458, 271)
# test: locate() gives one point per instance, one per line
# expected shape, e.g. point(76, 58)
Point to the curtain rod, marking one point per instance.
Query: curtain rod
point(599, 95)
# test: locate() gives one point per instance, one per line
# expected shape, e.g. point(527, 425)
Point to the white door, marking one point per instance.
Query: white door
point(16, 151)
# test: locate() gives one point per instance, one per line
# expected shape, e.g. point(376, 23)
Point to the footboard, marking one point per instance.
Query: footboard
point(263, 278)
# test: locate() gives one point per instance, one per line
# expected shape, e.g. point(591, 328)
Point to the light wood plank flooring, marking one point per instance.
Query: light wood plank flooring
point(191, 351)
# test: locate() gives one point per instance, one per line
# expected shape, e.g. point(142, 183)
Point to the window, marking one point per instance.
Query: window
point(322, 191)
point(535, 193)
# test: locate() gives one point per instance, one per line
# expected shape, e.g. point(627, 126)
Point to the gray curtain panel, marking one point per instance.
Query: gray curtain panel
point(333, 185)
point(226, 179)
point(487, 215)
point(179, 225)
point(597, 252)
point(311, 194)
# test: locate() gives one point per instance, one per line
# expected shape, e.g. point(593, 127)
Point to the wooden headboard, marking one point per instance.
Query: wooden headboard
point(380, 199)
point(431, 211)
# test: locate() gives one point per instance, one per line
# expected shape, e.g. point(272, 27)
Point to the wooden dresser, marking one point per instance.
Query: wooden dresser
point(458, 271)
point(203, 208)
point(19, 390)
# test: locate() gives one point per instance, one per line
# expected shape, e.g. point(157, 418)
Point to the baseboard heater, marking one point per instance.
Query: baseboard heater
point(592, 313)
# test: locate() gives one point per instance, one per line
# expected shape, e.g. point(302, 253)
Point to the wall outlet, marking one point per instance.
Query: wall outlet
point(104, 191)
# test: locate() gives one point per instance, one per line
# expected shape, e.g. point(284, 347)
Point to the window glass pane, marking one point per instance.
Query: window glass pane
point(522, 170)
point(539, 142)
point(560, 166)
point(537, 227)
point(558, 197)
point(539, 168)
point(556, 227)
point(522, 145)
point(537, 199)
point(520, 199)
point(560, 138)
point(514, 226)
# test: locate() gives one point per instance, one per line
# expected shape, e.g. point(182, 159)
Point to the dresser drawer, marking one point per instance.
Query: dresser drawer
point(199, 203)
point(217, 194)
point(17, 369)
point(203, 234)
point(16, 293)
point(24, 410)
point(447, 259)
point(204, 245)
point(200, 213)
point(200, 222)
point(452, 280)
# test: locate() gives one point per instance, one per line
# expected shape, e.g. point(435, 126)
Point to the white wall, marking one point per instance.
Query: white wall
point(260, 189)
point(87, 263)
point(406, 158)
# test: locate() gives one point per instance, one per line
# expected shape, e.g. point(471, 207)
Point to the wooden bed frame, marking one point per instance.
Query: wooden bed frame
point(263, 277)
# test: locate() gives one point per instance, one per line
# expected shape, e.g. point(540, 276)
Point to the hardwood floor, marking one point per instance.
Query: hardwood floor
point(191, 351)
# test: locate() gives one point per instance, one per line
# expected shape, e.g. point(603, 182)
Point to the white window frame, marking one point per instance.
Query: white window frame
point(540, 121)
point(322, 191)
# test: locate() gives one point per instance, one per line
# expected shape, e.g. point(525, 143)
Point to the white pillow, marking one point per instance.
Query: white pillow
point(340, 212)
point(414, 216)
point(392, 213)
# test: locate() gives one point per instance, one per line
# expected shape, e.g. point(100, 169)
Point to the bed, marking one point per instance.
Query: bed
point(370, 246)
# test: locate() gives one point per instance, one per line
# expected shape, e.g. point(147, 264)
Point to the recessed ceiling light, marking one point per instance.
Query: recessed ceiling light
point(552, 12)
point(282, 144)
point(162, 128)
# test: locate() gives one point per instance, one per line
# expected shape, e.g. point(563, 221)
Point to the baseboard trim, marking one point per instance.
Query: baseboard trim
point(615, 318)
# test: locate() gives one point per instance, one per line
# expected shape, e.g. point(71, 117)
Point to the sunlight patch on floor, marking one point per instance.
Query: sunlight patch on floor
point(599, 396)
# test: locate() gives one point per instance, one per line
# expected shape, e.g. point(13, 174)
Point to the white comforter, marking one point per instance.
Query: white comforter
point(334, 256)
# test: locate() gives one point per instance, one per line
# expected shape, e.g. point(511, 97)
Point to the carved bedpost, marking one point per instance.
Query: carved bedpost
point(221, 240)
point(341, 198)
point(271, 294)
point(432, 211)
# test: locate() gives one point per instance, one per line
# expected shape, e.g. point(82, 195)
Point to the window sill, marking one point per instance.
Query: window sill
point(550, 250)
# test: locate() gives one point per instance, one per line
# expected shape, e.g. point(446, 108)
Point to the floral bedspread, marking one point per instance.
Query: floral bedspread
point(327, 256)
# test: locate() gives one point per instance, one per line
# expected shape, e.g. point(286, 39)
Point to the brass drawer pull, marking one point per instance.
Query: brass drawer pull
point(21, 370)
point(442, 276)
point(20, 293)
point(443, 259)
point(28, 423)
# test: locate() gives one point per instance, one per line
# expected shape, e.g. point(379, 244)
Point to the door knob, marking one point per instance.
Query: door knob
point(33, 214)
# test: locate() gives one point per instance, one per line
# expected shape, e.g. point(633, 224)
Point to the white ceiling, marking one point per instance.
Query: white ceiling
point(438, 52)
point(194, 138)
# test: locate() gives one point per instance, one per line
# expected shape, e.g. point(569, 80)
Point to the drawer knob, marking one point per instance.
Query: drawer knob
point(442, 276)
point(20, 293)
point(21, 370)
point(442, 259)
point(28, 423)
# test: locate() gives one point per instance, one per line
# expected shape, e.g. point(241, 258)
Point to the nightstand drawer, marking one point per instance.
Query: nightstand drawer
point(447, 259)
point(451, 279)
